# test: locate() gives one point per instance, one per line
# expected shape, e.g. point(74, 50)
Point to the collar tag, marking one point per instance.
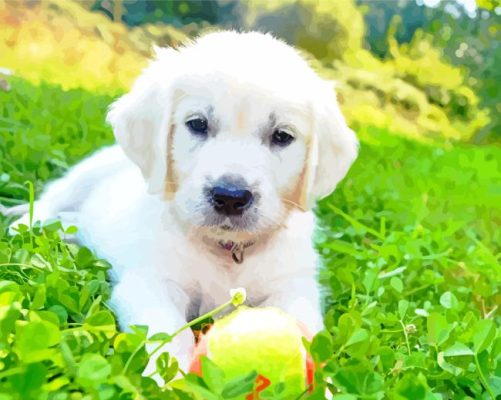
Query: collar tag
point(238, 255)
point(237, 249)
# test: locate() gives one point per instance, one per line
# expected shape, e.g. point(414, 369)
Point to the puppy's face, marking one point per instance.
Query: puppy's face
point(234, 130)
point(238, 154)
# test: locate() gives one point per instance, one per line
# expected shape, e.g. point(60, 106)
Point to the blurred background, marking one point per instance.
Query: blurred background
point(428, 69)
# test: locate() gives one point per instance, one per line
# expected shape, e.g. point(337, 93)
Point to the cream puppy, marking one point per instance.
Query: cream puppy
point(223, 147)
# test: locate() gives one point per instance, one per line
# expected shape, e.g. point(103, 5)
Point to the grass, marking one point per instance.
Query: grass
point(411, 275)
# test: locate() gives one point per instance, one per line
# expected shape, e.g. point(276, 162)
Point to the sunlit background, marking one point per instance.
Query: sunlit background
point(429, 71)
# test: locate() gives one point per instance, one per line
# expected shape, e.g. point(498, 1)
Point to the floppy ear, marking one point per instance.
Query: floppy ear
point(141, 120)
point(332, 149)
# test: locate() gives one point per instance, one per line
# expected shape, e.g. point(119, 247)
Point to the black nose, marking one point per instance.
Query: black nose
point(230, 201)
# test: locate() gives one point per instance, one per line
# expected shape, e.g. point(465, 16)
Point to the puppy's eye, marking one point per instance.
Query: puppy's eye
point(281, 138)
point(198, 126)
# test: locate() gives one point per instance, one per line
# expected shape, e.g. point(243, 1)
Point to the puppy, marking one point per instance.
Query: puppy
point(223, 147)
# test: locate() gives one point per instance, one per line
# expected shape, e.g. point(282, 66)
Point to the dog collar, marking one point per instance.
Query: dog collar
point(237, 249)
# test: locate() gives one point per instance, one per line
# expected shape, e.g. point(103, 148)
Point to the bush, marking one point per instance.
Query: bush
point(414, 91)
point(325, 29)
point(61, 42)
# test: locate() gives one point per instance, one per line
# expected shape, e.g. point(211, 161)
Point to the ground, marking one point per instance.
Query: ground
point(411, 275)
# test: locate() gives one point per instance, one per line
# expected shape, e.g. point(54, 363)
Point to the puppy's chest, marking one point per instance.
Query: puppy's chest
point(208, 302)
point(215, 283)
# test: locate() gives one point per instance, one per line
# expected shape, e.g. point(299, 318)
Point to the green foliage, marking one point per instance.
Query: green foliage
point(410, 243)
point(61, 42)
point(58, 337)
point(378, 17)
point(411, 249)
point(38, 132)
point(333, 27)
point(413, 89)
point(177, 13)
point(468, 41)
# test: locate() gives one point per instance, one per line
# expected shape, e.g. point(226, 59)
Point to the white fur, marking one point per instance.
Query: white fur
point(147, 221)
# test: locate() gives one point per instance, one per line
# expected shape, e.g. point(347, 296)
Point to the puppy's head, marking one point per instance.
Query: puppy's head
point(235, 130)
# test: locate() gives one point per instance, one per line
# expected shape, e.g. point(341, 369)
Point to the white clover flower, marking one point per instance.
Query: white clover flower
point(410, 328)
point(238, 296)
